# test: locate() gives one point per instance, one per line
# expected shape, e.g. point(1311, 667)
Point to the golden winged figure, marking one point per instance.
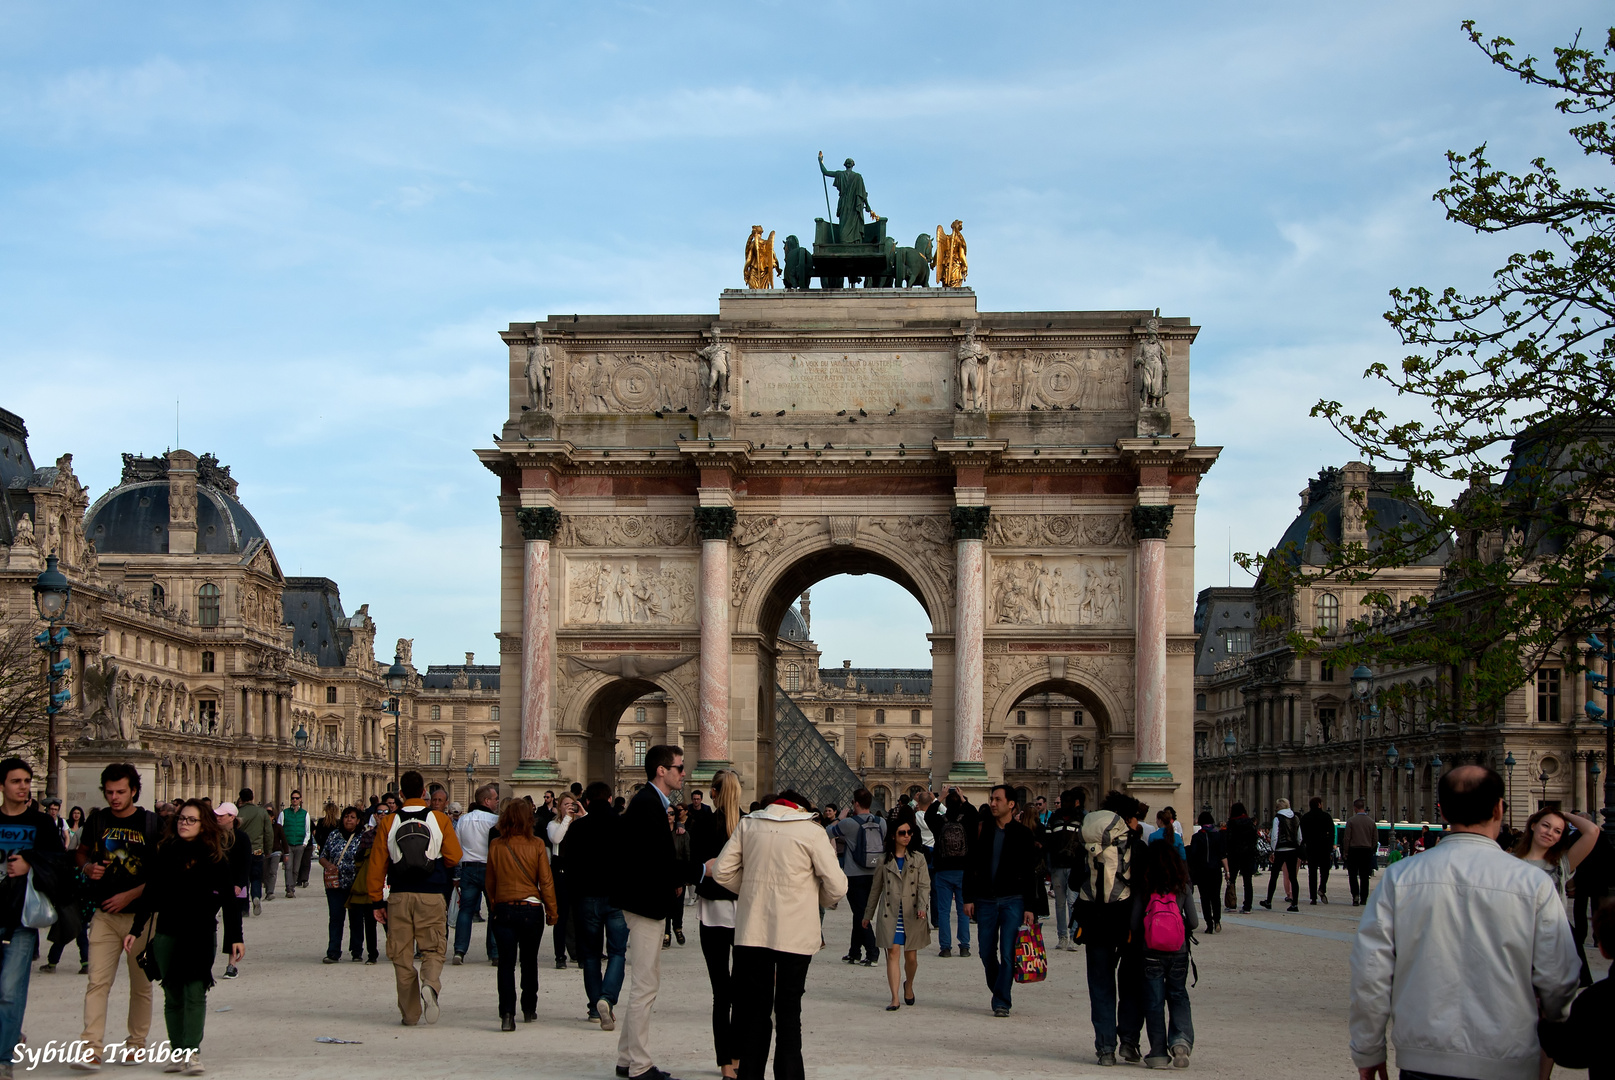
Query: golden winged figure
point(951, 265)
point(761, 266)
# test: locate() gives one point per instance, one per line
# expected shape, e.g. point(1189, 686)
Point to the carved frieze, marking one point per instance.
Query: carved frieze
point(1094, 379)
point(1060, 530)
point(626, 531)
point(757, 537)
point(1059, 590)
point(631, 590)
point(632, 382)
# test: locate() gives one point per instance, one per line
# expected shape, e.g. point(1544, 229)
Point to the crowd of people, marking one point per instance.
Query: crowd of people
point(168, 892)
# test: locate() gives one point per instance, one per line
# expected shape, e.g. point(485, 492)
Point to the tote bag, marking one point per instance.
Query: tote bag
point(1031, 962)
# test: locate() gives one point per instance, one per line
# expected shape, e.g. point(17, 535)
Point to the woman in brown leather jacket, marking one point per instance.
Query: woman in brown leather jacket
point(521, 897)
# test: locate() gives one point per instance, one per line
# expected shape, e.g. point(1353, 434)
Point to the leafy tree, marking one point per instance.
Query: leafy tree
point(1516, 382)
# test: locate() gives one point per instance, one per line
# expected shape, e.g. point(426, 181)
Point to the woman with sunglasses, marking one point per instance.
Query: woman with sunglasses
point(899, 902)
point(189, 884)
point(709, 832)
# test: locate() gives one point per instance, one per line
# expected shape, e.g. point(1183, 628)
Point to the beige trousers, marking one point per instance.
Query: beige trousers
point(107, 932)
point(645, 978)
point(416, 919)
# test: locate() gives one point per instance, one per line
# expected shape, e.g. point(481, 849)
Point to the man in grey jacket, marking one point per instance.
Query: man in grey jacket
point(1457, 947)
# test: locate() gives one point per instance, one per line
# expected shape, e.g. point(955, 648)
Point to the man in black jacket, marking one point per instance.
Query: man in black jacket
point(1318, 845)
point(590, 851)
point(1241, 848)
point(29, 840)
point(646, 893)
point(1001, 883)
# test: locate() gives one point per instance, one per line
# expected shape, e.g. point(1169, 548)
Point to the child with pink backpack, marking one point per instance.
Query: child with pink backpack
point(1163, 917)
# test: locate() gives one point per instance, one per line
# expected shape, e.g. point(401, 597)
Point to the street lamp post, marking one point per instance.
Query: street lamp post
point(1508, 764)
point(1391, 756)
point(1543, 780)
point(397, 675)
point(1407, 767)
point(51, 593)
point(1362, 687)
point(300, 737)
point(1229, 744)
point(470, 777)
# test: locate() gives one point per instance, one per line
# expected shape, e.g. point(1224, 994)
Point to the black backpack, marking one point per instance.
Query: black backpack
point(952, 843)
point(1289, 832)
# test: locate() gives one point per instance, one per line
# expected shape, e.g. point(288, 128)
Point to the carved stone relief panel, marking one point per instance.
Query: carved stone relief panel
point(1059, 590)
point(756, 538)
point(631, 590)
point(626, 530)
point(1095, 379)
point(1060, 530)
point(631, 382)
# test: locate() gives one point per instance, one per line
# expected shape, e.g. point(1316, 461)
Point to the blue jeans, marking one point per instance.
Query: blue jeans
point(336, 903)
point(16, 961)
point(1060, 878)
point(600, 923)
point(997, 924)
point(950, 893)
point(1166, 983)
point(473, 877)
point(1115, 995)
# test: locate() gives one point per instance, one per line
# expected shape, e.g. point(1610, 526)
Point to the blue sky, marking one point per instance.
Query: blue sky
point(308, 221)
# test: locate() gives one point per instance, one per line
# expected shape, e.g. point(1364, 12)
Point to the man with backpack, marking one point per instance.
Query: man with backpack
point(1111, 839)
point(952, 828)
point(865, 837)
point(413, 853)
point(1208, 865)
point(254, 820)
point(1318, 841)
point(1062, 840)
point(1286, 834)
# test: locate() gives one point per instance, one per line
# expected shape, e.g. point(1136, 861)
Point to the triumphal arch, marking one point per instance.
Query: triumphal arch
point(670, 483)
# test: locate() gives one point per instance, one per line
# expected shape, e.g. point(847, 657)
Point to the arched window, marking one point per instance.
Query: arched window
point(829, 716)
point(158, 597)
point(493, 714)
point(880, 716)
point(1327, 610)
point(1200, 703)
point(1020, 717)
point(330, 697)
point(639, 714)
point(207, 605)
point(914, 716)
point(1076, 717)
point(793, 677)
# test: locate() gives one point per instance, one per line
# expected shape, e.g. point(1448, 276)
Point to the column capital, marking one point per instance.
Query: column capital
point(715, 522)
point(538, 522)
point(970, 522)
point(1152, 522)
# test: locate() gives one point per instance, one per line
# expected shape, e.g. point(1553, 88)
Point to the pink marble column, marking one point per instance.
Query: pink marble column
point(715, 524)
point(538, 525)
point(970, 620)
point(1151, 523)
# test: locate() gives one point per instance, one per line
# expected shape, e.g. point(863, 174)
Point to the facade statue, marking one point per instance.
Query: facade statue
point(852, 202)
point(1151, 360)
point(950, 262)
point(761, 266)
point(540, 374)
point(716, 356)
point(798, 264)
point(25, 530)
point(974, 358)
point(403, 650)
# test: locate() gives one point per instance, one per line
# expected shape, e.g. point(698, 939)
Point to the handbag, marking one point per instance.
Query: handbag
point(147, 961)
point(1230, 899)
point(37, 910)
point(1031, 961)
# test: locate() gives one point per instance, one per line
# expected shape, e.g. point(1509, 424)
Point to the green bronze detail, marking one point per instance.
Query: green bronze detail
point(968, 772)
point(798, 264)
point(536, 772)
point(852, 203)
point(909, 267)
point(970, 522)
point(1149, 770)
point(715, 522)
point(1152, 522)
point(538, 522)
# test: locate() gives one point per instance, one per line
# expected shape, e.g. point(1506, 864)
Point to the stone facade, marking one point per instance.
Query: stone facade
point(1042, 534)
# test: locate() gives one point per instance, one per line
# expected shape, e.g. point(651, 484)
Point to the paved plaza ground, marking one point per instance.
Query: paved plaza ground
point(1271, 1002)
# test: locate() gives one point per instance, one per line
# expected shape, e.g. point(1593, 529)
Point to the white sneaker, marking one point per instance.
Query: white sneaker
point(429, 1004)
point(195, 1067)
point(608, 1020)
point(174, 1066)
point(90, 1062)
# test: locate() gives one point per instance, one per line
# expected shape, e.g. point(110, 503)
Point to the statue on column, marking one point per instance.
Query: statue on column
point(1151, 360)
point(761, 267)
point(852, 201)
point(974, 357)
point(716, 356)
point(540, 372)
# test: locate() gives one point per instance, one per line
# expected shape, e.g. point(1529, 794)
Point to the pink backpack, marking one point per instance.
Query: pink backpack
point(1163, 924)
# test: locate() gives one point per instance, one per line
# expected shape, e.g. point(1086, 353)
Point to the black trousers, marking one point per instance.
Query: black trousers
point(1247, 872)
point(768, 982)
point(517, 930)
point(1318, 875)
point(863, 937)
point(1210, 897)
point(1360, 871)
point(1287, 862)
point(563, 913)
point(717, 942)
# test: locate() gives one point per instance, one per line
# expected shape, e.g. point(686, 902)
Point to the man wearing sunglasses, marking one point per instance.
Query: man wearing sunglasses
point(647, 893)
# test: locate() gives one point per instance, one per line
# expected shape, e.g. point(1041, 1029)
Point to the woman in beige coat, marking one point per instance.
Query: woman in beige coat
point(899, 902)
point(780, 863)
